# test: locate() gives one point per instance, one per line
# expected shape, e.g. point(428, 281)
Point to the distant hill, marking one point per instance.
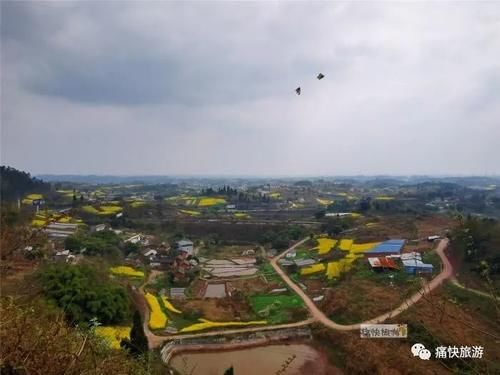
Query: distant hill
point(106, 179)
point(16, 184)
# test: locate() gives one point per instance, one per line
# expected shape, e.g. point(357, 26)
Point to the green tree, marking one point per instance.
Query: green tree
point(84, 293)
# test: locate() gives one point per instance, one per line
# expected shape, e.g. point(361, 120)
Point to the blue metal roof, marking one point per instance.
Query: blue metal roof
point(391, 246)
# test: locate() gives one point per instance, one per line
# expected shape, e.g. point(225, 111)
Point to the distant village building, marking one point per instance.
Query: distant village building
point(60, 230)
point(150, 253)
point(185, 246)
point(433, 238)
point(98, 228)
point(64, 256)
point(135, 239)
point(177, 293)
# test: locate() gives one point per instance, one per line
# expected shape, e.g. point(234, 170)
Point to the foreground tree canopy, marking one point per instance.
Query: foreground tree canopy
point(84, 293)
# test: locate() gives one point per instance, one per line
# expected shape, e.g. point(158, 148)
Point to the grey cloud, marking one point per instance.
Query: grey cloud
point(208, 87)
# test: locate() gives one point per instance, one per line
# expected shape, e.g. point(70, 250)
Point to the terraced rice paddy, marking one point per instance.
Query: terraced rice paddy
point(113, 335)
point(230, 268)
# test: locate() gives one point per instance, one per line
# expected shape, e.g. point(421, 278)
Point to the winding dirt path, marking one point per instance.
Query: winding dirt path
point(455, 282)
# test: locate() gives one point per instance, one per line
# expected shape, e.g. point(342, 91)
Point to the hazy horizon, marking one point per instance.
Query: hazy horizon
point(198, 89)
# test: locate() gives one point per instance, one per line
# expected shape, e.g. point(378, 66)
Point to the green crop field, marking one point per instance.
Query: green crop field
point(275, 309)
point(261, 302)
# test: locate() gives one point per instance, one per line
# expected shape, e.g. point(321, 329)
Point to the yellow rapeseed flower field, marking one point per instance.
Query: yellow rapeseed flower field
point(206, 324)
point(345, 244)
point(136, 204)
point(113, 335)
point(190, 212)
point(205, 202)
point(109, 209)
point(34, 196)
point(241, 215)
point(169, 305)
point(127, 271)
point(90, 210)
point(324, 202)
point(319, 267)
point(362, 247)
point(325, 245)
point(157, 318)
point(333, 270)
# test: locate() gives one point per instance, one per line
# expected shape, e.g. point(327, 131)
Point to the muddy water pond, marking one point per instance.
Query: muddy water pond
point(263, 360)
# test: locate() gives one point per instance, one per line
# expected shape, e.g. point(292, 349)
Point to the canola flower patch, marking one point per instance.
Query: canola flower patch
point(325, 245)
point(324, 202)
point(190, 212)
point(113, 335)
point(126, 271)
point(207, 202)
point(315, 268)
point(168, 305)
point(207, 324)
point(157, 318)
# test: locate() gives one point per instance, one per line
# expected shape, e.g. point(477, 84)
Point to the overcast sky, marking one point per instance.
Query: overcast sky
point(208, 88)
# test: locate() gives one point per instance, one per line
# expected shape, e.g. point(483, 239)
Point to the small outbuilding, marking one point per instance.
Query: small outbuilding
point(416, 267)
point(382, 264)
point(186, 246)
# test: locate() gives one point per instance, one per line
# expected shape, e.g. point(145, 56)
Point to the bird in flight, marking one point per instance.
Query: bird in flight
point(297, 90)
point(320, 76)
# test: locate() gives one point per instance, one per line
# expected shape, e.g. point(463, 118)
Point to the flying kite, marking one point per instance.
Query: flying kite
point(320, 76)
